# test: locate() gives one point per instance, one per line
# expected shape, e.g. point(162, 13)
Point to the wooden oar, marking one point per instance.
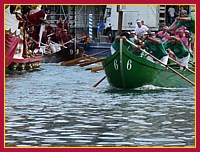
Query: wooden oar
point(89, 68)
point(181, 65)
point(87, 60)
point(75, 61)
point(97, 83)
point(95, 69)
point(91, 62)
point(163, 64)
point(191, 63)
point(72, 62)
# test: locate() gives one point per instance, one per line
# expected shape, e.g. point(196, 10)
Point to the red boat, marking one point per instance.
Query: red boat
point(18, 57)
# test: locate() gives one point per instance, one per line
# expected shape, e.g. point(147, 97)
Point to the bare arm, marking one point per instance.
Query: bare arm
point(176, 39)
point(184, 18)
point(117, 38)
point(173, 26)
point(149, 32)
point(154, 40)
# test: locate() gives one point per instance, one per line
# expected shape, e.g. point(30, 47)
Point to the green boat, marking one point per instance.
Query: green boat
point(126, 70)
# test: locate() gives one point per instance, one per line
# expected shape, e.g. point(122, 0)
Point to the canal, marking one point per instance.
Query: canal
point(57, 106)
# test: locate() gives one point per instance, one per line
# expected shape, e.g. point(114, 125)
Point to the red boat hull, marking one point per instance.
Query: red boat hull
point(11, 43)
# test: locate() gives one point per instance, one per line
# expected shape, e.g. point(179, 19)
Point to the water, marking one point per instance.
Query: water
point(58, 106)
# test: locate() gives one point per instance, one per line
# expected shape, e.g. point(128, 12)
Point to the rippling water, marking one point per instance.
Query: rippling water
point(58, 106)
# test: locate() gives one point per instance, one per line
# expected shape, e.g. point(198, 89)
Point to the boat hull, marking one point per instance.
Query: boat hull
point(126, 70)
point(93, 48)
point(22, 65)
point(65, 54)
point(10, 47)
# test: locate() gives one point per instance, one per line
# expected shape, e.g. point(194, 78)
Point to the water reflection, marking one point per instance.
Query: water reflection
point(62, 109)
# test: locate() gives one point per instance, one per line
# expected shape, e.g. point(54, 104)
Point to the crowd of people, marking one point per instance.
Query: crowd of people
point(176, 41)
point(51, 39)
point(55, 38)
point(39, 34)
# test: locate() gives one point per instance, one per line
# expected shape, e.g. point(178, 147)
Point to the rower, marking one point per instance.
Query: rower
point(155, 47)
point(176, 47)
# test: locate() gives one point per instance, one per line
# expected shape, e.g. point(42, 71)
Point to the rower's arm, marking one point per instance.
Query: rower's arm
point(176, 39)
point(154, 40)
point(184, 18)
point(173, 26)
point(143, 46)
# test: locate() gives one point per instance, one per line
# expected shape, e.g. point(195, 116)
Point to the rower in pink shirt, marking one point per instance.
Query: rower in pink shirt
point(181, 36)
point(163, 34)
point(183, 28)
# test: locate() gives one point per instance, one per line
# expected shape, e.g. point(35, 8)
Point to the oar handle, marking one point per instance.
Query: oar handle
point(75, 61)
point(181, 65)
point(163, 63)
point(91, 62)
point(70, 41)
point(92, 55)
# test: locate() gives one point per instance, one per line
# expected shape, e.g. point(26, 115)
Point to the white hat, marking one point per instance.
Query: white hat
point(138, 21)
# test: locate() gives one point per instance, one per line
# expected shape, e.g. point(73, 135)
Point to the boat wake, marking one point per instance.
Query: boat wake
point(152, 87)
point(143, 89)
